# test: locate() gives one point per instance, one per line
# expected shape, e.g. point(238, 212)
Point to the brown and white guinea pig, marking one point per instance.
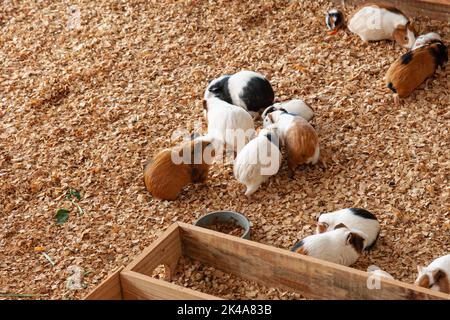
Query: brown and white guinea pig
point(246, 89)
point(354, 218)
point(342, 245)
point(436, 276)
point(375, 22)
point(297, 107)
point(297, 135)
point(258, 160)
point(426, 39)
point(172, 169)
point(414, 67)
point(335, 20)
point(230, 124)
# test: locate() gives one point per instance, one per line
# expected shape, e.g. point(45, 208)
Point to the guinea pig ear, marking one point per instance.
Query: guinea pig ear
point(269, 116)
point(340, 225)
point(356, 241)
point(438, 274)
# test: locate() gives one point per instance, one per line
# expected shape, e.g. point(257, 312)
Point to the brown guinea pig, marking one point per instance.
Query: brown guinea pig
point(172, 169)
point(414, 67)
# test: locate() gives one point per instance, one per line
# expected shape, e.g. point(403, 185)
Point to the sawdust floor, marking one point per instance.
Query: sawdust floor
point(85, 109)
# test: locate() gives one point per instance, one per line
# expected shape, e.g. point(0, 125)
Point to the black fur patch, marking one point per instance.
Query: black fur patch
point(391, 86)
point(273, 139)
point(439, 52)
point(297, 246)
point(257, 94)
point(220, 90)
point(363, 213)
point(407, 57)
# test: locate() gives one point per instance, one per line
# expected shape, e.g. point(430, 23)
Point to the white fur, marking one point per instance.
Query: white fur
point(373, 24)
point(283, 121)
point(227, 121)
point(257, 161)
point(332, 246)
point(297, 107)
point(368, 226)
point(237, 82)
point(442, 263)
point(381, 274)
point(425, 39)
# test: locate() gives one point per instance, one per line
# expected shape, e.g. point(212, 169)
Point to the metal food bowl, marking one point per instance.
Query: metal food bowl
point(224, 217)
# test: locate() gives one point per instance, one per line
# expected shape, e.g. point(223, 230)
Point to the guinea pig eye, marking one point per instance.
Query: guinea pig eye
point(406, 38)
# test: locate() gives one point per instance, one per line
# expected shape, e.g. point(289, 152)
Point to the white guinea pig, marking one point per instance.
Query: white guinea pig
point(436, 276)
point(297, 135)
point(228, 123)
point(376, 22)
point(342, 245)
point(258, 160)
point(426, 39)
point(295, 106)
point(246, 89)
point(354, 218)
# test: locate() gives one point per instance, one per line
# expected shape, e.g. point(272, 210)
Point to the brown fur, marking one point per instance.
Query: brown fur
point(424, 281)
point(405, 77)
point(441, 278)
point(301, 142)
point(165, 179)
point(356, 241)
point(302, 250)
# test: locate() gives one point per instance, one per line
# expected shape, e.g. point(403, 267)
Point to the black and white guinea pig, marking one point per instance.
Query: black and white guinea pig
point(342, 245)
point(353, 218)
point(296, 107)
point(414, 67)
point(246, 89)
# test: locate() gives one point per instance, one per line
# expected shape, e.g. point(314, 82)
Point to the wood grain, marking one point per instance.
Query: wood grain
point(164, 251)
point(280, 268)
point(137, 286)
point(109, 289)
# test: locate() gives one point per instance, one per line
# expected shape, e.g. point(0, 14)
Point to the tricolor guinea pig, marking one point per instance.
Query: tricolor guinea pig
point(342, 245)
point(297, 135)
point(436, 276)
point(414, 67)
point(295, 106)
point(172, 169)
point(258, 160)
point(228, 123)
point(246, 89)
point(354, 218)
point(375, 22)
point(426, 39)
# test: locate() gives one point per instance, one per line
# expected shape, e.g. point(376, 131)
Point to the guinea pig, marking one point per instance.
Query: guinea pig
point(342, 245)
point(246, 89)
point(354, 218)
point(228, 123)
point(172, 169)
point(426, 39)
point(375, 22)
point(334, 20)
point(436, 276)
point(258, 160)
point(295, 106)
point(297, 135)
point(414, 67)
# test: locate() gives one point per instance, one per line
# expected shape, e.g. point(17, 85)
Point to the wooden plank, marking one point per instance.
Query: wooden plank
point(435, 9)
point(109, 289)
point(136, 286)
point(164, 251)
point(280, 268)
